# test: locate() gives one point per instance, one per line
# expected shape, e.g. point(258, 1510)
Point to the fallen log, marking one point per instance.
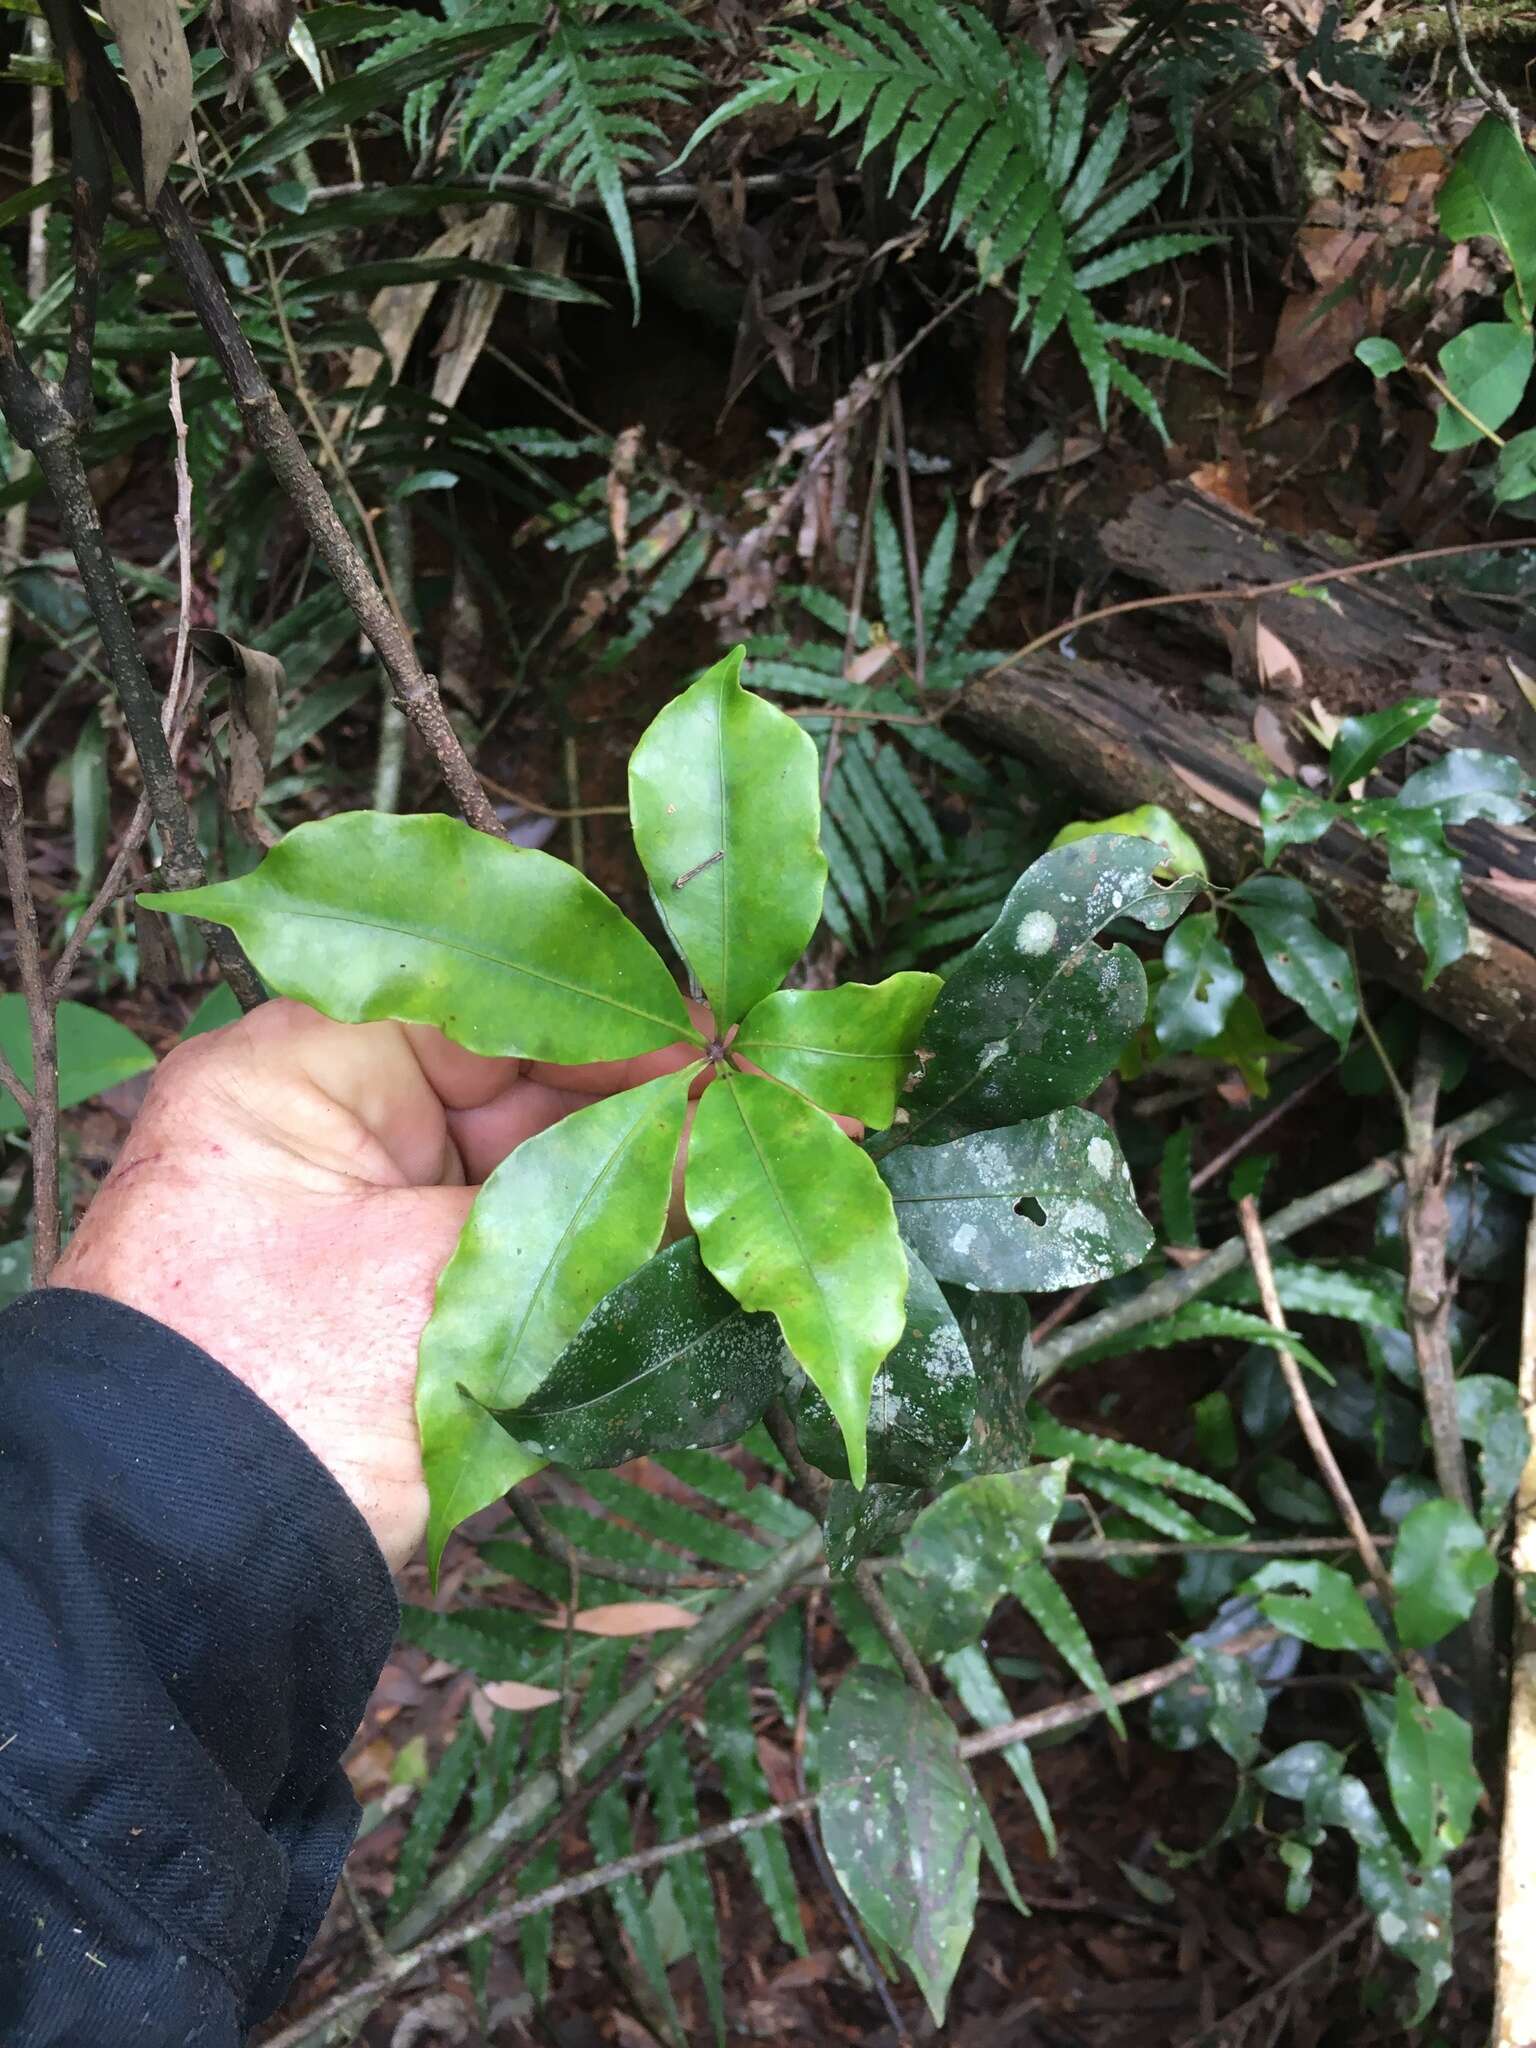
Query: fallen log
point(1173, 707)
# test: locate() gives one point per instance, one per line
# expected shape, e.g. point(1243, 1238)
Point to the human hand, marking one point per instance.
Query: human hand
point(286, 1199)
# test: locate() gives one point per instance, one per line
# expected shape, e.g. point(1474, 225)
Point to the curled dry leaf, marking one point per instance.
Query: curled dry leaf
point(629, 1618)
point(621, 470)
point(1224, 800)
point(248, 32)
point(256, 682)
point(1278, 668)
point(513, 1697)
point(158, 69)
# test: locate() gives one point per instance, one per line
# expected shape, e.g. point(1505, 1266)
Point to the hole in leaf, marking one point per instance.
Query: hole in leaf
point(1028, 1207)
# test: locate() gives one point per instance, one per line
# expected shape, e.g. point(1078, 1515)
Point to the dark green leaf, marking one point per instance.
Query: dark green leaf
point(1056, 1618)
point(996, 1329)
point(1434, 1783)
point(1515, 471)
point(1419, 859)
point(732, 1736)
point(792, 1217)
point(1488, 1412)
point(1468, 783)
point(1056, 1440)
point(1037, 1013)
point(723, 789)
point(381, 85)
point(1324, 1609)
point(95, 1053)
point(849, 1048)
point(1303, 963)
point(559, 1224)
point(920, 1405)
point(506, 950)
point(1380, 357)
point(969, 1672)
point(509, 277)
point(666, 1362)
point(905, 1841)
point(1043, 1205)
point(1439, 1566)
point(1486, 368)
point(1221, 1701)
point(975, 1542)
point(1199, 988)
point(1491, 190)
point(868, 1523)
point(1361, 742)
point(1175, 1188)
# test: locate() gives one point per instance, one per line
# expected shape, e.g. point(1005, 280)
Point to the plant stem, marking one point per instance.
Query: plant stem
point(39, 1104)
point(1317, 1440)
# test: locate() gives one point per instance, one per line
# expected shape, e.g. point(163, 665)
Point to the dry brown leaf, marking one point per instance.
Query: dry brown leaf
point(1224, 481)
point(158, 69)
point(256, 682)
point(1219, 799)
point(248, 32)
point(869, 661)
point(1270, 732)
point(621, 469)
point(1278, 668)
point(475, 304)
point(629, 1618)
point(513, 1697)
point(1524, 683)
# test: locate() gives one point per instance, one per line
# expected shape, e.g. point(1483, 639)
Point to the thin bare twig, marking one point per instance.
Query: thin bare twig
point(42, 1111)
point(1491, 94)
point(1317, 1441)
point(883, 1615)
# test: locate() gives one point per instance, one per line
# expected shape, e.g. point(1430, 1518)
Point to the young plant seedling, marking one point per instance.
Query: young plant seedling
point(558, 1331)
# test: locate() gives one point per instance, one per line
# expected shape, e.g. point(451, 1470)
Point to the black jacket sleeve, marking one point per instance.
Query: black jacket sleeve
point(192, 1615)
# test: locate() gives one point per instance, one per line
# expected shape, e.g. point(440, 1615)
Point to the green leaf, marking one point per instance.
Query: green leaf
point(1419, 859)
point(1380, 357)
point(1055, 1617)
point(920, 1405)
point(1055, 1439)
point(559, 1224)
point(1361, 742)
point(792, 1217)
point(1324, 1609)
point(436, 1807)
point(731, 1732)
point(1439, 1566)
point(1045, 1205)
point(665, 1362)
point(1176, 1189)
point(1222, 1701)
point(1486, 368)
point(1293, 816)
point(868, 1523)
point(1488, 1413)
point(849, 1048)
point(381, 85)
point(1468, 783)
point(1515, 470)
point(1147, 821)
point(670, 1777)
point(1434, 1783)
point(15, 1269)
point(507, 277)
point(1197, 1321)
point(1037, 1013)
point(974, 1543)
point(1303, 963)
point(216, 1009)
point(905, 1841)
point(506, 950)
point(996, 1329)
point(1491, 190)
point(1199, 988)
point(95, 1053)
point(723, 790)
point(985, 1701)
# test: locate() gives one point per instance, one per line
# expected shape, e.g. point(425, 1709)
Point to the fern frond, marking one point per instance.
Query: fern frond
point(936, 86)
point(1056, 1618)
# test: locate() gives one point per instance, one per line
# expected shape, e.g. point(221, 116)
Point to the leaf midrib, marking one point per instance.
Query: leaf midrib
point(611, 1393)
point(685, 1030)
point(791, 1223)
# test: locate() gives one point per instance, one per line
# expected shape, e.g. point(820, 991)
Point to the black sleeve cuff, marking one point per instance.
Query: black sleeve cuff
point(194, 1615)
